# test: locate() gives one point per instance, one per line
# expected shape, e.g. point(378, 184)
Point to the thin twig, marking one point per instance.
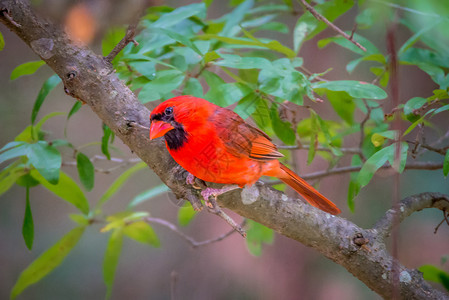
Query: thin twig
point(320, 17)
point(441, 151)
point(190, 240)
point(362, 128)
point(319, 148)
point(129, 37)
point(419, 165)
point(122, 163)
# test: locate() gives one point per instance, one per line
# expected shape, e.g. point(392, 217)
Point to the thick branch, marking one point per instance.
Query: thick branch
point(90, 77)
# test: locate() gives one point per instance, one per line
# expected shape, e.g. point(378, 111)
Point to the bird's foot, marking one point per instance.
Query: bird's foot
point(213, 207)
point(191, 180)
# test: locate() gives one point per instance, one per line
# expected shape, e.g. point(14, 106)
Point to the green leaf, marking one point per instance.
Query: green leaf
point(146, 68)
point(227, 93)
point(165, 82)
point(28, 225)
point(247, 106)
point(80, 219)
point(75, 108)
point(372, 53)
point(235, 17)
point(148, 194)
point(111, 258)
point(46, 88)
point(47, 261)
point(193, 87)
point(108, 135)
point(27, 68)
point(2, 42)
point(432, 273)
point(343, 105)
point(179, 38)
point(186, 213)
point(414, 103)
point(15, 152)
point(354, 186)
point(211, 56)
point(446, 164)
point(238, 62)
point(272, 45)
point(115, 186)
point(66, 188)
point(120, 219)
point(86, 171)
point(179, 14)
point(9, 175)
point(257, 235)
point(111, 39)
point(308, 26)
point(283, 129)
point(46, 159)
point(356, 89)
point(142, 232)
point(373, 163)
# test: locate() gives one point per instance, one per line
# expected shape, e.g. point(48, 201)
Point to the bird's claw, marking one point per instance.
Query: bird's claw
point(191, 180)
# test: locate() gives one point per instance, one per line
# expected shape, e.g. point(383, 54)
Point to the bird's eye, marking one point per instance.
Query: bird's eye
point(168, 111)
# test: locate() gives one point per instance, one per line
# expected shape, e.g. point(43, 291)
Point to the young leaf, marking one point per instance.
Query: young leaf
point(115, 186)
point(27, 68)
point(107, 135)
point(186, 213)
point(76, 107)
point(374, 163)
point(9, 175)
point(46, 159)
point(66, 189)
point(179, 14)
point(193, 87)
point(446, 164)
point(46, 88)
point(165, 82)
point(432, 273)
point(20, 150)
point(2, 42)
point(86, 171)
point(356, 89)
point(148, 194)
point(414, 103)
point(257, 235)
point(48, 260)
point(111, 258)
point(28, 225)
point(142, 232)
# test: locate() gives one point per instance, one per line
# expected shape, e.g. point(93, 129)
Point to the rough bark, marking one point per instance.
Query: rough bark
point(90, 78)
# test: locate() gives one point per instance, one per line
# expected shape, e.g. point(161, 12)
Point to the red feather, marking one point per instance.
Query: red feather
point(217, 145)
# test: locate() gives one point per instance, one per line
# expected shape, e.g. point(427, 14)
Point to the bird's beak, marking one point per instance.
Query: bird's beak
point(159, 128)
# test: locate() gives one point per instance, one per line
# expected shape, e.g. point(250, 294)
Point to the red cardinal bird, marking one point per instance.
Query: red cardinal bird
point(217, 145)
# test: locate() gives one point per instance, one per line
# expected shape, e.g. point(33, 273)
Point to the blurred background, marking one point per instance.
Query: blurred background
point(223, 270)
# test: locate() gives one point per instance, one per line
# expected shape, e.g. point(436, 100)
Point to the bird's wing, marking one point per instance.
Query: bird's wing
point(242, 139)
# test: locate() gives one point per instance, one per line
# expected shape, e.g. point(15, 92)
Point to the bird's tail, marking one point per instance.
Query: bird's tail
point(307, 191)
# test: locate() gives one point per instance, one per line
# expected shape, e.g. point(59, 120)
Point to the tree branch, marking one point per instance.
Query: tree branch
point(320, 17)
point(190, 240)
point(408, 206)
point(129, 37)
point(90, 77)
